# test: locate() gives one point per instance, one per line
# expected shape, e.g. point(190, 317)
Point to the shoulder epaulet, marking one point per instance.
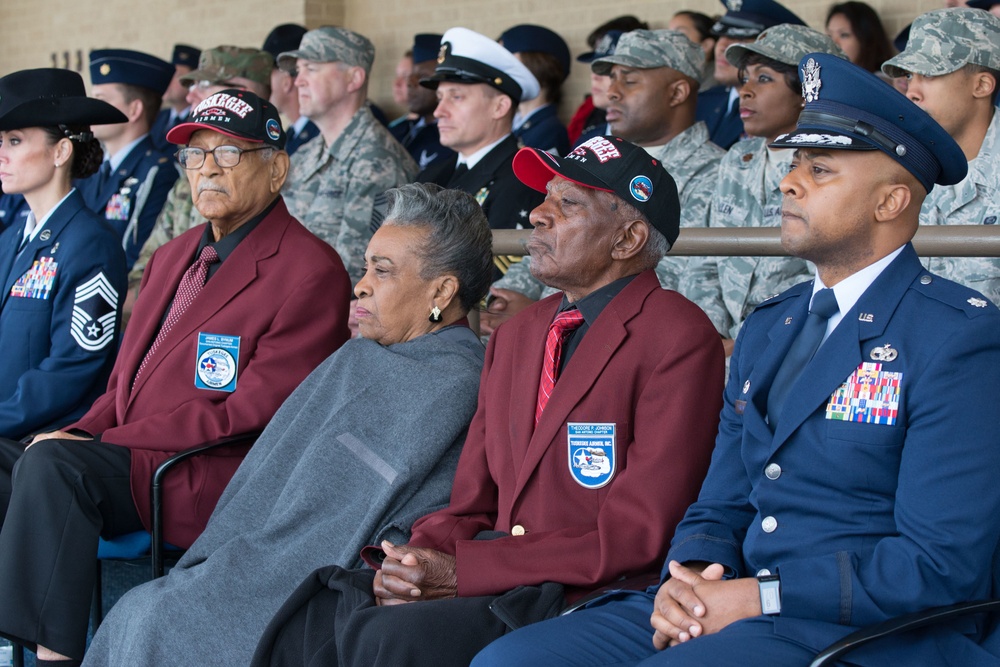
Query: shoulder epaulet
point(950, 293)
point(788, 293)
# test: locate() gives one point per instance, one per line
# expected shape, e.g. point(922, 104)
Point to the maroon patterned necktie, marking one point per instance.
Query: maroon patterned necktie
point(565, 322)
point(191, 283)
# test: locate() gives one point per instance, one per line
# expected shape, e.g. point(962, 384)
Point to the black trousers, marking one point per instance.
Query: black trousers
point(331, 620)
point(58, 497)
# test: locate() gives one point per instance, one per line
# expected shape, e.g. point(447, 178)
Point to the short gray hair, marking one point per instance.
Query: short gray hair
point(656, 244)
point(459, 240)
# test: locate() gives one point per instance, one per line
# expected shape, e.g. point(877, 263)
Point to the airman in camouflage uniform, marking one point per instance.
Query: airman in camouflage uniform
point(688, 155)
point(334, 182)
point(219, 68)
point(956, 45)
point(747, 195)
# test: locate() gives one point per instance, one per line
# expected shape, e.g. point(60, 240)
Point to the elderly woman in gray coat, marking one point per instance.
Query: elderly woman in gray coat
point(366, 444)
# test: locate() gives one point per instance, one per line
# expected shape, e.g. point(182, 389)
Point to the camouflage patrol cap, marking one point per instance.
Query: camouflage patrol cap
point(328, 44)
point(944, 40)
point(225, 62)
point(786, 44)
point(647, 49)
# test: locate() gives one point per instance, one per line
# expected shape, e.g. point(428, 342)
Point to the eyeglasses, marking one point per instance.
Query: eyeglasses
point(225, 156)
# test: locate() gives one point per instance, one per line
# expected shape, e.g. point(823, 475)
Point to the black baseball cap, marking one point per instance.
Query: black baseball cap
point(613, 165)
point(234, 113)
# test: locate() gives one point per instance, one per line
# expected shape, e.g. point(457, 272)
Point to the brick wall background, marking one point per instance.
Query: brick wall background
point(46, 33)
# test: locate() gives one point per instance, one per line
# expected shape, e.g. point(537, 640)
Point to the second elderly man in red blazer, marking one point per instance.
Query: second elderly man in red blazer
point(231, 317)
point(598, 409)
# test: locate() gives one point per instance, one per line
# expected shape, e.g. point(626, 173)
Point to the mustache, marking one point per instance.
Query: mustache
point(212, 187)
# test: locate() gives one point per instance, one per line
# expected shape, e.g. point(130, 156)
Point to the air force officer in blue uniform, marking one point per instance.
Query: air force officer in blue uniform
point(850, 484)
point(62, 268)
point(136, 177)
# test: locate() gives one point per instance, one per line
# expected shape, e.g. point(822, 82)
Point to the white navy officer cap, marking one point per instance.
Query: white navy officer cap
point(469, 57)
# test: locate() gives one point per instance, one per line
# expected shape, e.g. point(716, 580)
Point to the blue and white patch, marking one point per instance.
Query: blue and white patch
point(591, 453)
point(273, 129)
point(641, 188)
point(218, 361)
point(95, 309)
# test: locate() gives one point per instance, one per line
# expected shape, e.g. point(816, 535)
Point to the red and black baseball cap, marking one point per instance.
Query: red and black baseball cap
point(235, 113)
point(613, 165)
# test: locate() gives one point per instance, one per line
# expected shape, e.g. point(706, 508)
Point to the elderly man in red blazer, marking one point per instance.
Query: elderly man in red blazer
point(232, 316)
point(597, 412)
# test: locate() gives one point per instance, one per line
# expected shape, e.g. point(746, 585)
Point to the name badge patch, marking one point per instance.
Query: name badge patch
point(38, 281)
point(869, 396)
point(591, 453)
point(218, 360)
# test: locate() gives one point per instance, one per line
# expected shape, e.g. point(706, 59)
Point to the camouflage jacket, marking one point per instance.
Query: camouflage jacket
point(729, 288)
point(973, 201)
point(176, 217)
point(332, 190)
point(693, 161)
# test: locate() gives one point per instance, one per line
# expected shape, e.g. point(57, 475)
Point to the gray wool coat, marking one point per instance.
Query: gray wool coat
point(366, 444)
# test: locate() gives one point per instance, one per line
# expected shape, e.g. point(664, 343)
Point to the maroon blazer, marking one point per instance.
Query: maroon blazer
point(653, 365)
point(285, 293)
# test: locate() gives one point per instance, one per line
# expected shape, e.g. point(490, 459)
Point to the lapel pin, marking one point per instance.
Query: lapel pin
point(788, 321)
point(54, 248)
point(746, 386)
point(884, 353)
point(866, 317)
point(45, 235)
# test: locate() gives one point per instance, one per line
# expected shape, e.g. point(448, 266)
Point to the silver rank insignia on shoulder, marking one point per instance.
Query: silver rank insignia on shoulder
point(977, 302)
point(866, 317)
point(884, 353)
point(810, 81)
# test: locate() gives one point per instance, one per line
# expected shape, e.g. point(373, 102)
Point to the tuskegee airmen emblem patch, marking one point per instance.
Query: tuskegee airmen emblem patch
point(591, 453)
point(218, 361)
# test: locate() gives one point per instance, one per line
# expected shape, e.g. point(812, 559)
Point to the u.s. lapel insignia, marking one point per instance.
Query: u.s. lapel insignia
point(811, 82)
point(884, 353)
point(788, 321)
point(977, 302)
point(866, 317)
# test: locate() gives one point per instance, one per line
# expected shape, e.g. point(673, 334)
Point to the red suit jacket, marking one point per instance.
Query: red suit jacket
point(653, 365)
point(285, 293)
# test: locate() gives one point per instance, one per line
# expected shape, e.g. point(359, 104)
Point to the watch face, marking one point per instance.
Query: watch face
point(770, 594)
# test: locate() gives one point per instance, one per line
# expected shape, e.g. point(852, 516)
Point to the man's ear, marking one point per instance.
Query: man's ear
point(631, 240)
point(894, 199)
point(279, 171)
point(680, 91)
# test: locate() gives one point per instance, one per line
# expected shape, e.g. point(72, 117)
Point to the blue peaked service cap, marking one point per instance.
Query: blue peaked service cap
point(849, 108)
point(130, 67)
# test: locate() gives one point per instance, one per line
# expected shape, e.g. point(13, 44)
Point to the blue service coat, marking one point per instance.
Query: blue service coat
point(544, 130)
point(297, 139)
point(724, 126)
point(132, 198)
point(60, 311)
point(864, 521)
point(13, 210)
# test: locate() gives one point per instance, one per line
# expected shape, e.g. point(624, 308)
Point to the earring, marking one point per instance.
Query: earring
point(435, 315)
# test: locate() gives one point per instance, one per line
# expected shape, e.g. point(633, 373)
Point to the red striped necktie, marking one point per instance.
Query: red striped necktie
point(565, 322)
point(191, 283)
